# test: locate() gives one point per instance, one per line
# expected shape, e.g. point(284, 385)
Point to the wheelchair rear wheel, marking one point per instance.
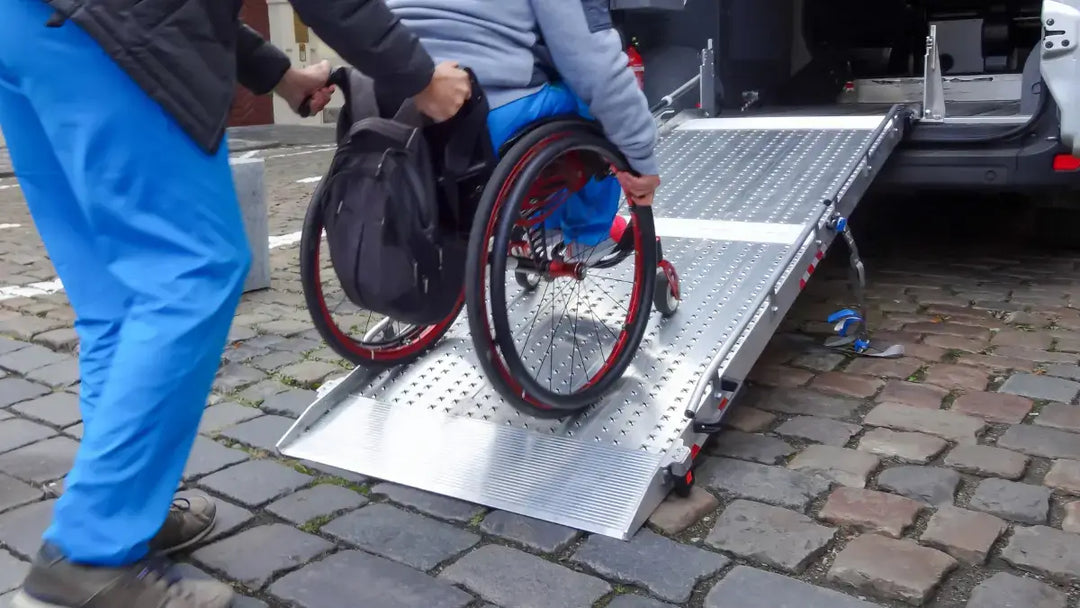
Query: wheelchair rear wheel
point(556, 348)
point(360, 336)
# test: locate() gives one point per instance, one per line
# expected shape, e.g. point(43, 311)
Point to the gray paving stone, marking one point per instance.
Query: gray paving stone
point(1011, 500)
point(290, 403)
point(12, 572)
point(353, 578)
point(668, 569)
point(965, 535)
point(58, 409)
point(21, 529)
point(1004, 590)
point(310, 374)
point(255, 482)
point(263, 432)
point(987, 461)
point(844, 466)
point(515, 579)
point(33, 357)
point(891, 569)
point(677, 513)
point(770, 485)
point(254, 556)
point(319, 501)
point(14, 493)
point(274, 361)
point(233, 377)
point(636, 601)
point(42, 461)
point(412, 539)
point(1060, 416)
point(208, 456)
point(8, 345)
point(1046, 551)
point(1041, 387)
point(769, 535)
point(942, 423)
point(932, 485)
point(746, 587)
point(226, 414)
point(229, 519)
point(820, 430)
point(14, 390)
point(63, 339)
point(335, 472)
point(16, 433)
point(433, 504)
point(58, 375)
point(298, 344)
point(750, 446)
point(1041, 441)
point(910, 447)
point(535, 534)
point(260, 391)
point(802, 402)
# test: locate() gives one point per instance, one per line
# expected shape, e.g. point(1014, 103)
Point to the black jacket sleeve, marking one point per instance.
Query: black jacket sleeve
point(368, 36)
point(259, 64)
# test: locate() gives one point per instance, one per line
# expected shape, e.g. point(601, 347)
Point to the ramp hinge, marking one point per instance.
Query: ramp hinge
point(933, 109)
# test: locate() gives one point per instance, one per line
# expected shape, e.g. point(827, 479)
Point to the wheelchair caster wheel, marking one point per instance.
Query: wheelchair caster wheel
point(529, 281)
point(664, 296)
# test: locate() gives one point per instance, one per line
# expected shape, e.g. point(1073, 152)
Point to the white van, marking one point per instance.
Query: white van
point(997, 106)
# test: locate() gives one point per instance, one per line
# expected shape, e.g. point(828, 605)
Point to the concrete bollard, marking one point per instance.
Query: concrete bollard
point(251, 192)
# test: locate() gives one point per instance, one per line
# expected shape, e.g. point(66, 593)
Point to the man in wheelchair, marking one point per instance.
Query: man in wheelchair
point(541, 58)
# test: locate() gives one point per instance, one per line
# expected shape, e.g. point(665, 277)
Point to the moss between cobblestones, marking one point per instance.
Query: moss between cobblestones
point(952, 355)
point(313, 525)
point(330, 480)
point(919, 375)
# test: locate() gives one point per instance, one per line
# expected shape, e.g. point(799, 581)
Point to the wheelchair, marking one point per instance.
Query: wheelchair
point(519, 268)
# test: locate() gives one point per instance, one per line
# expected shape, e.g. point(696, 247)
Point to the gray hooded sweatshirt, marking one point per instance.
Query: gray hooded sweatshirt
point(513, 46)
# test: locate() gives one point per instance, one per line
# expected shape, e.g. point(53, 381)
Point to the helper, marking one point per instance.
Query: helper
point(114, 114)
point(541, 58)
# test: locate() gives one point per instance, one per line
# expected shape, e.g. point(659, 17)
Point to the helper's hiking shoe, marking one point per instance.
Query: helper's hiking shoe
point(54, 582)
point(191, 518)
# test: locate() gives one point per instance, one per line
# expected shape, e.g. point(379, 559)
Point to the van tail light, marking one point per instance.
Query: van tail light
point(1066, 162)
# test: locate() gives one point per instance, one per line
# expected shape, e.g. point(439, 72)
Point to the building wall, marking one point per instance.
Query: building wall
point(283, 34)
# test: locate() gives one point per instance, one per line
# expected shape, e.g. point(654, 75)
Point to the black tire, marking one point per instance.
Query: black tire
point(410, 347)
point(493, 342)
point(663, 297)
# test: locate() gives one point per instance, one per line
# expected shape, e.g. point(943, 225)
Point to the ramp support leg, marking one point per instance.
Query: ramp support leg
point(850, 324)
point(933, 109)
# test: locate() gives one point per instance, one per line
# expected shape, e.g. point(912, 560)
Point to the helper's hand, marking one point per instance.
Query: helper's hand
point(446, 93)
point(300, 83)
point(640, 188)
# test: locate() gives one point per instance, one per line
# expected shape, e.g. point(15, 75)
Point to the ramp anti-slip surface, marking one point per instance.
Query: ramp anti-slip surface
point(736, 212)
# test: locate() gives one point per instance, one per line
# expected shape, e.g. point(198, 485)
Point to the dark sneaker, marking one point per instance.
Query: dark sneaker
point(190, 520)
point(54, 582)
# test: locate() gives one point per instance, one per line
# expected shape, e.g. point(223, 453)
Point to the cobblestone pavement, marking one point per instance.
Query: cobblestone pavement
point(949, 478)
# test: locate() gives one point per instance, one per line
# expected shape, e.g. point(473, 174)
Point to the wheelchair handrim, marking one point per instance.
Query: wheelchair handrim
point(498, 233)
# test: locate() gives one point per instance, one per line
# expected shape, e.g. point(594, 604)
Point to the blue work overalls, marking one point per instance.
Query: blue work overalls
point(586, 216)
point(145, 233)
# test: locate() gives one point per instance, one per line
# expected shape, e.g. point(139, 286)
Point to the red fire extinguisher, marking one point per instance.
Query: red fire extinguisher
point(637, 64)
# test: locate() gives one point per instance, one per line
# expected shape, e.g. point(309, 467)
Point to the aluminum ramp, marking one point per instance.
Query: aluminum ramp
point(744, 214)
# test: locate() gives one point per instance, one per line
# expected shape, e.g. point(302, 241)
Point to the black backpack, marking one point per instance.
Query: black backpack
point(393, 213)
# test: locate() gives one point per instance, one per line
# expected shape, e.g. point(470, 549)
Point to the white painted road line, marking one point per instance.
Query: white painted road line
point(284, 240)
point(55, 286)
point(31, 291)
point(8, 226)
point(310, 180)
point(8, 186)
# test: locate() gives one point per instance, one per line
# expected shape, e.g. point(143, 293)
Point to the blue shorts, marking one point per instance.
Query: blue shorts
point(587, 215)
